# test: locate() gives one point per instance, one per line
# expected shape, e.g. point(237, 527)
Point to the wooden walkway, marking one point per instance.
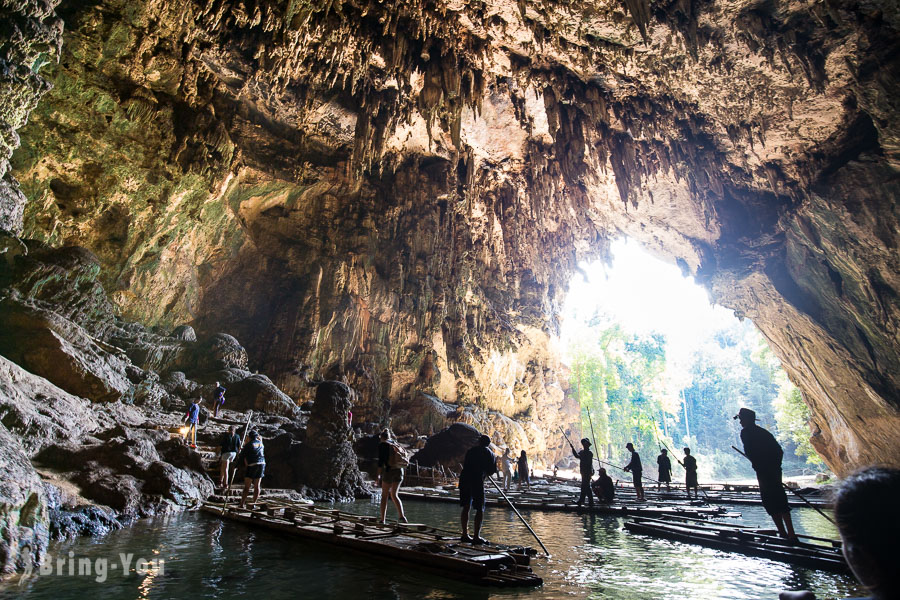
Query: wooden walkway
point(560, 500)
point(811, 552)
point(421, 546)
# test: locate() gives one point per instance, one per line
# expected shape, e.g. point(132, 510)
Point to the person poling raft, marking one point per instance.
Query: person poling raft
point(765, 454)
point(603, 462)
point(479, 464)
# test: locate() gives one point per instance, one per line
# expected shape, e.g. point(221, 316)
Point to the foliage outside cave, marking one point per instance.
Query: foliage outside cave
point(629, 391)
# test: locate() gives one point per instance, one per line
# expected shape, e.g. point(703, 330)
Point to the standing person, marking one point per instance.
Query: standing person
point(390, 474)
point(690, 473)
point(478, 464)
point(193, 419)
point(604, 487)
point(253, 457)
point(218, 398)
point(765, 455)
point(636, 471)
point(586, 467)
point(665, 469)
point(506, 462)
point(229, 447)
point(865, 508)
point(523, 471)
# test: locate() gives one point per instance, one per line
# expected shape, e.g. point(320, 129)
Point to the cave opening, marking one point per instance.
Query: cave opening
point(653, 361)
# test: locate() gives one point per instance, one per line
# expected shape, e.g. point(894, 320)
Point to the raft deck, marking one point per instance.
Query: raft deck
point(743, 495)
point(811, 552)
point(422, 546)
point(554, 500)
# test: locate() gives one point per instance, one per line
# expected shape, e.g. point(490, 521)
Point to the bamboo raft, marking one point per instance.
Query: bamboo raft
point(738, 495)
point(811, 552)
point(556, 500)
point(424, 547)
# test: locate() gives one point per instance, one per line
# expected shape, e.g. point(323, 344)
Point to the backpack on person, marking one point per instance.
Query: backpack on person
point(398, 457)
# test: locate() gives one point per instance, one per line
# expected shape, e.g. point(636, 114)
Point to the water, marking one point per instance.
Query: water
point(592, 557)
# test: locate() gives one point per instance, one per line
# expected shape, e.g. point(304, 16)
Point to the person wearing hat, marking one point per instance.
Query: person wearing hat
point(586, 466)
point(765, 455)
point(479, 463)
point(636, 470)
point(690, 473)
point(665, 469)
point(253, 456)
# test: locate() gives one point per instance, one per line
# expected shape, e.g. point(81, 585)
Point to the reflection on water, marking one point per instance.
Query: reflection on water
point(592, 557)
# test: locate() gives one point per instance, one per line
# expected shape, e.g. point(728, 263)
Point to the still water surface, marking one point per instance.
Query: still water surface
point(592, 557)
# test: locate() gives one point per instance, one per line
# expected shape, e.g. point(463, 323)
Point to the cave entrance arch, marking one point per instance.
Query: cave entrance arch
point(655, 362)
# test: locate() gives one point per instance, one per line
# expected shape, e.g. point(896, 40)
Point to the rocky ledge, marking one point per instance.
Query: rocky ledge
point(91, 408)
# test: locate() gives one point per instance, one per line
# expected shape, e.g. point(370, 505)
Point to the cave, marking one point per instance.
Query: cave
point(396, 195)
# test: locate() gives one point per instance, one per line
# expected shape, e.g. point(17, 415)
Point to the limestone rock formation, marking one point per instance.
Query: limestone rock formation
point(395, 194)
point(448, 447)
point(23, 508)
point(31, 37)
point(326, 460)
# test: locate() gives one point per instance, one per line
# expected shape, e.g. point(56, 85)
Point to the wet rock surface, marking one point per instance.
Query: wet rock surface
point(24, 522)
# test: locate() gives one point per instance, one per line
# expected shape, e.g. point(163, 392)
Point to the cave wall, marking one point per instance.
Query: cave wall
point(398, 195)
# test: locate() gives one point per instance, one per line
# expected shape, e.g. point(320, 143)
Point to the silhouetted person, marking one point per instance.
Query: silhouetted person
point(390, 474)
point(603, 487)
point(506, 462)
point(665, 469)
point(690, 473)
point(478, 464)
point(865, 508)
point(522, 468)
point(586, 467)
point(636, 470)
point(765, 455)
point(253, 456)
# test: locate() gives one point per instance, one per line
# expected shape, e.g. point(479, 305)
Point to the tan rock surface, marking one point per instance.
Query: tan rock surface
point(396, 194)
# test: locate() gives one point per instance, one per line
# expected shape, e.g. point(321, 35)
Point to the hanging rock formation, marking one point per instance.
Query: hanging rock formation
point(395, 194)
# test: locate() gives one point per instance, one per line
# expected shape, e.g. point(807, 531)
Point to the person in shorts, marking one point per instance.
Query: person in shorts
point(479, 463)
point(389, 477)
point(228, 449)
point(253, 457)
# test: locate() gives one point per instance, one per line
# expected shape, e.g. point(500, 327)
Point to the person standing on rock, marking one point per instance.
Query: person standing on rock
point(665, 469)
point(765, 455)
point(690, 473)
point(636, 470)
point(586, 467)
point(478, 464)
point(193, 419)
point(230, 446)
point(523, 471)
point(254, 459)
point(506, 462)
point(391, 460)
point(218, 398)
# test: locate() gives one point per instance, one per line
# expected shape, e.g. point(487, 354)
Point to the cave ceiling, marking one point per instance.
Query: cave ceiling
point(396, 193)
